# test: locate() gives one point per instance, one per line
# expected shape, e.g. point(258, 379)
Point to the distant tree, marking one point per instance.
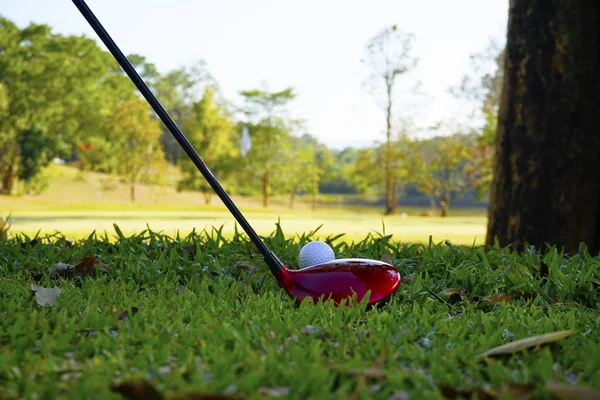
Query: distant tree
point(441, 169)
point(270, 130)
point(546, 186)
point(209, 131)
point(371, 174)
point(63, 85)
point(178, 91)
point(388, 57)
point(488, 67)
point(135, 145)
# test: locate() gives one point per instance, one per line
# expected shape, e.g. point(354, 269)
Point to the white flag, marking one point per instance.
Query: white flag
point(246, 143)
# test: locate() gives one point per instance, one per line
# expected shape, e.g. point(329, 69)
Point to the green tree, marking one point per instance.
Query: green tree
point(270, 130)
point(179, 90)
point(135, 145)
point(209, 131)
point(388, 57)
point(485, 91)
point(370, 175)
point(440, 164)
point(65, 84)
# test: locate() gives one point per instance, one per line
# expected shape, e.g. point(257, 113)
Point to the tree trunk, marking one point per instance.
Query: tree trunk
point(207, 196)
point(444, 204)
point(266, 189)
point(546, 186)
point(132, 191)
point(292, 199)
point(390, 194)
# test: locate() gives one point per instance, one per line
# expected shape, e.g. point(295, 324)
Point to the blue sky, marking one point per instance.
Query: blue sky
point(314, 46)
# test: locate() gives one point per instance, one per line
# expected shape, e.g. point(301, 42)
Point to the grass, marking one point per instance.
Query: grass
point(210, 319)
point(76, 205)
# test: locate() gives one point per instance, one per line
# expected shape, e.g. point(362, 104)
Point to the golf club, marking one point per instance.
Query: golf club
point(337, 280)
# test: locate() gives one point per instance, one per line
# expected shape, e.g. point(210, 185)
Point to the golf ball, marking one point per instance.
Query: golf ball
point(315, 253)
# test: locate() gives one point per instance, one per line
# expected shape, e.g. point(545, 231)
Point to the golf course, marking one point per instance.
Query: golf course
point(75, 205)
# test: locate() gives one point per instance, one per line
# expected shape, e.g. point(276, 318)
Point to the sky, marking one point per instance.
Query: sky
point(314, 46)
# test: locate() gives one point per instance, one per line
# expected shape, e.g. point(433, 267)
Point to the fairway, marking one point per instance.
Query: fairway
point(354, 225)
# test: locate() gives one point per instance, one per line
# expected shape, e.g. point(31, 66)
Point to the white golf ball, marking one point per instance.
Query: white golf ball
point(315, 253)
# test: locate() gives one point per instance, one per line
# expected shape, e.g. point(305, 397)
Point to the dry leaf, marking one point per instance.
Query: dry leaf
point(45, 296)
point(124, 314)
point(191, 250)
point(207, 396)
point(450, 392)
point(408, 279)
point(563, 391)
point(60, 270)
point(515, 391)
point(498, 298)
point(523, 344)
point(86, 267)
point(387, 257)
point(456, 294)
point(137, 390)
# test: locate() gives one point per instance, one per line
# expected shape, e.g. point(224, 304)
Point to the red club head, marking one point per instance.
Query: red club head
point(341, 279)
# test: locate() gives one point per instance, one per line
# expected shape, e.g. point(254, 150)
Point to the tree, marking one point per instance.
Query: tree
point(62, 84)
point(135, 145)
point(388, 57)
point(270, 131)
point(371, 174)
point(209, 131)
point(489, 67)
point(178, 91)
point(440, 169)
point(546, 185)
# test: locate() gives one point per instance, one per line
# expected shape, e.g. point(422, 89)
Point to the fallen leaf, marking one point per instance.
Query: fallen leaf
point(563, 391)
point(137, 390)
point(191, 250)
point(124, 314)
point(35, 274)
point(60, 270)
point(387, 257)
point(519, 391)
point(207, 396)
point(408, 279)
point(514, 391)
point(86, 267)
point(498, 298)
point(450, 392)
point(456, 294)
point(45, 296)
point(278, 391)
point(523, 344)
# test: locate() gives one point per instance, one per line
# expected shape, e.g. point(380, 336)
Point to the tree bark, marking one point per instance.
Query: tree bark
point(132, 191)
point(444, 204)
point(390, 195)
point(546, 186)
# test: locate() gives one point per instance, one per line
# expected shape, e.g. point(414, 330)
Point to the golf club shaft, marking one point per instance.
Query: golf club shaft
point(271, 260)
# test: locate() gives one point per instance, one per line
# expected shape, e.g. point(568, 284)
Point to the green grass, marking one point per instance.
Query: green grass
point(206, 323)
